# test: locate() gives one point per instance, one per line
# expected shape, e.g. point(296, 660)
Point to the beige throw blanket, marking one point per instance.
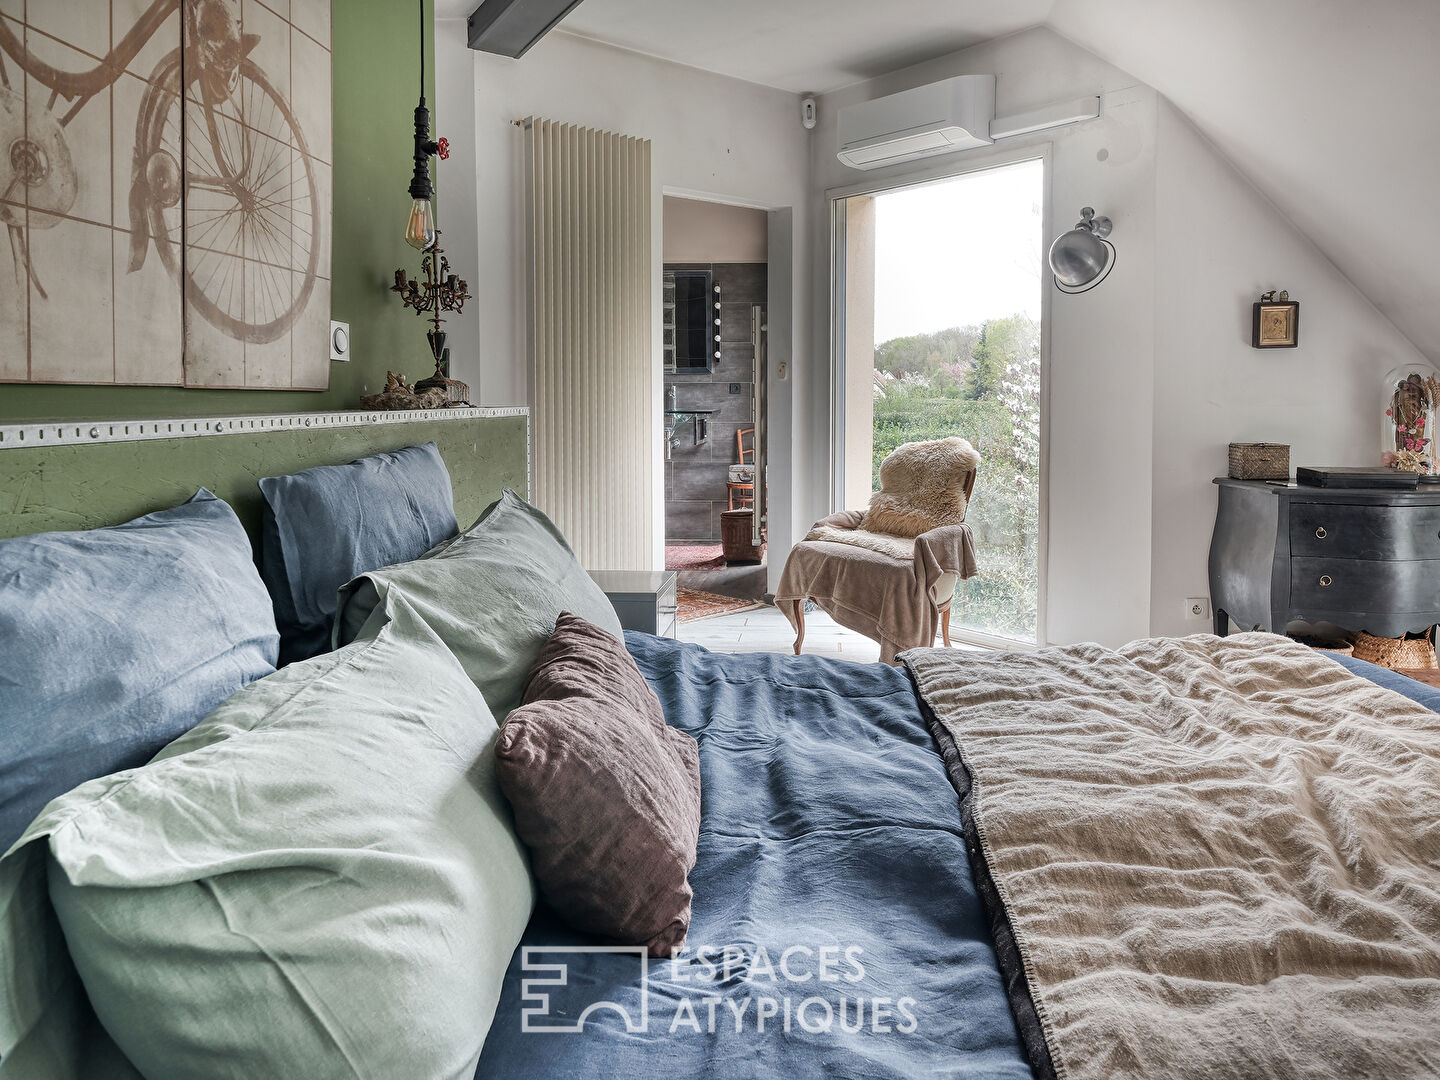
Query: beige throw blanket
point(891, 589)
point(1220, 857)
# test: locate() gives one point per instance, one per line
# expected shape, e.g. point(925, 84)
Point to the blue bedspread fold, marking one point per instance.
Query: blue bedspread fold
point(1416, 691)
point(837, 931)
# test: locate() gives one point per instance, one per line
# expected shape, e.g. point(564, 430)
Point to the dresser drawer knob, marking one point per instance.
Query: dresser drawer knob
point(1325, 581)
point(1320, 533)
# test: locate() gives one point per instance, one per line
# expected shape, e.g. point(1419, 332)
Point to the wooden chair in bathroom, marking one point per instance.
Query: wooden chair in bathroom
point(740, 481)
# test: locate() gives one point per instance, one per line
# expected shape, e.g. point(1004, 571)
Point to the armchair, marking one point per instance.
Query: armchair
point(889, 572)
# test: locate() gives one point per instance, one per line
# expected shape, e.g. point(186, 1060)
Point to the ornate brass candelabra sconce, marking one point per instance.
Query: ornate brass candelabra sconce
point(440, 291)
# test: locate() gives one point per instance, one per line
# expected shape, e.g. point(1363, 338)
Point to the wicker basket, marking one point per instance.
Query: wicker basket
point(1259, 461)
point(737, 538)
point(1398, 653)
point(1331, 645)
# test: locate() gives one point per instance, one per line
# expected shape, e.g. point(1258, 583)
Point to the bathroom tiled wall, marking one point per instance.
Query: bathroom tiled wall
point(695, 492)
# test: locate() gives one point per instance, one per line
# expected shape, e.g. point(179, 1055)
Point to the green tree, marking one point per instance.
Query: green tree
point(988, 393)
point(927, 355)
point(1002, 343)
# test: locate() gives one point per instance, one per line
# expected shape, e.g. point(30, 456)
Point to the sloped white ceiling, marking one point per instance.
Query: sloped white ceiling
point(1330, 107)
point(801, 45)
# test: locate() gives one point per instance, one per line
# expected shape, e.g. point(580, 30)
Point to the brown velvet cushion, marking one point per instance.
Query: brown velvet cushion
point(606, 795)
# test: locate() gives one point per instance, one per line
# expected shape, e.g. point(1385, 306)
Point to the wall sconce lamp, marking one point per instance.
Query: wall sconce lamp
point(420, 225)
point(1082, 258)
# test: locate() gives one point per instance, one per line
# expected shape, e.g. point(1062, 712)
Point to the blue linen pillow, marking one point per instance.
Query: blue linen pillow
point(492, 594)
point(118, 640)
point(324, 526)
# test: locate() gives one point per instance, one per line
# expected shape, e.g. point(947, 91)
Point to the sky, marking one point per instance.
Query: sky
point(959, 252)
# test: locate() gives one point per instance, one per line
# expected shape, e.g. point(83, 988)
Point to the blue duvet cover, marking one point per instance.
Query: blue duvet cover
point(837, 931)
point(1416, 691)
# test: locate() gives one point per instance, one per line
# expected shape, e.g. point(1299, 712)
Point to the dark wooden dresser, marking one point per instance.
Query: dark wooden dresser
point(1361, 558)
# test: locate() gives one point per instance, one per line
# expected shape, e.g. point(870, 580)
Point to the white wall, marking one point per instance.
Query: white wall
point(1220, 243)
point(712, 137)
point(455, 204)
point(1099, 371)
point(707, 232)
point(1150, 375)
point(1328, 106)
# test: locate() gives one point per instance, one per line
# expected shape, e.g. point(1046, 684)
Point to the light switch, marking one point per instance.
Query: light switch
point(339, 341)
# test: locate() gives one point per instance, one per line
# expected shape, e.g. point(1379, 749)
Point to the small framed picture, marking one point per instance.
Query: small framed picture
point(1276, 324)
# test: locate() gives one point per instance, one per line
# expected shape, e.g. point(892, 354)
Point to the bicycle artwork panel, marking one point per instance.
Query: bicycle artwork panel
point(165, 192)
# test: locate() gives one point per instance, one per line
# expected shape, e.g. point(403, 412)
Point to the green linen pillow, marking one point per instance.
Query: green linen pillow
point(492, 594)
point(321, 879)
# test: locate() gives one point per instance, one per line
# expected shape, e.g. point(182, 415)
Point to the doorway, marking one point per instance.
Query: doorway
point(714, 335)
point(939, 332)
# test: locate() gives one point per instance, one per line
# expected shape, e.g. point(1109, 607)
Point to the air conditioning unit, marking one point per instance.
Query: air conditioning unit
point(936, 119)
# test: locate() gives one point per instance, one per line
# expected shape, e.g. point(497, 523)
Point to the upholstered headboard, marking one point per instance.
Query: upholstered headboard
point(86, 474)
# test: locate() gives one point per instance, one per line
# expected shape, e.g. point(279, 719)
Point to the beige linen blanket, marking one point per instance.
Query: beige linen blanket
point(1220, 857)
point(889, 588)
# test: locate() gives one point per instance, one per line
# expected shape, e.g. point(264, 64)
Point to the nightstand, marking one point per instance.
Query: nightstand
point(644, 599)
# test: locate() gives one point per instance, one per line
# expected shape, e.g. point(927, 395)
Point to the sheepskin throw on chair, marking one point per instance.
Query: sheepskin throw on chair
point(889, 572)
point(922, 486)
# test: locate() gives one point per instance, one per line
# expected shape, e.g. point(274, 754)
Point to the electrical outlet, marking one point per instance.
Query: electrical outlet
point(1197, 607)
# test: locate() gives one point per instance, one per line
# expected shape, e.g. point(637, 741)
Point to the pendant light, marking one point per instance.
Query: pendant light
point(420, 224)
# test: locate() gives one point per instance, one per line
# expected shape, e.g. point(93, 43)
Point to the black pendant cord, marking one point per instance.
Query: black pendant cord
point(421, 186)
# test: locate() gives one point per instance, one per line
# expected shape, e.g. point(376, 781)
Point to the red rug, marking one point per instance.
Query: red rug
point(695, 605)
point(694, 557)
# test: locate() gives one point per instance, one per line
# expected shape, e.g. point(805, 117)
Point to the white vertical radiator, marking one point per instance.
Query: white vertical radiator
point(590, 335)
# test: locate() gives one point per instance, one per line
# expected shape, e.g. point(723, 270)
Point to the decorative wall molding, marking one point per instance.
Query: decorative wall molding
point(80, 432)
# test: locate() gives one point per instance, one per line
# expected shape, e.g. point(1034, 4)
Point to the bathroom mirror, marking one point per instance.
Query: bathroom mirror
point(692, 332)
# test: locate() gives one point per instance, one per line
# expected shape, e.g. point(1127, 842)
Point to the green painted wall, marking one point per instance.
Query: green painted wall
point(86, 486)
point(376, 80)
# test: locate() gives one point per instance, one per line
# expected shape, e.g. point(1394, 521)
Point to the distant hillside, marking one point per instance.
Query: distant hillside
point(963, 360)
point(927, 354)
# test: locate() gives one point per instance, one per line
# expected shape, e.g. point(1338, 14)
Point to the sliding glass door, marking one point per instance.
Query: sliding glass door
point(938, 324)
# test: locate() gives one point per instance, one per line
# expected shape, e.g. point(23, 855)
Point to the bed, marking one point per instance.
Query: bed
point(819, 831)
point(835, 818)
point(1195, 857)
